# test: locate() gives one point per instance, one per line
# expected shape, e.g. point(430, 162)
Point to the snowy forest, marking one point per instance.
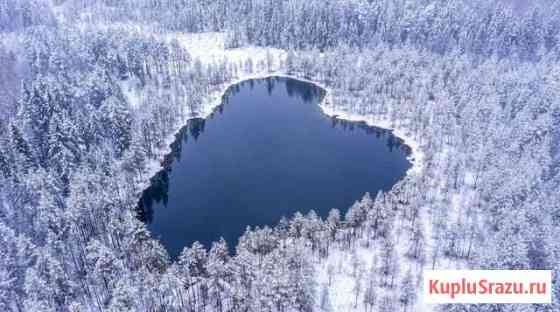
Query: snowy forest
point(92, 92)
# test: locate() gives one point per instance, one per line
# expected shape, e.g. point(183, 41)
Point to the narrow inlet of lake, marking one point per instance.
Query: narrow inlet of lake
point(266, 152)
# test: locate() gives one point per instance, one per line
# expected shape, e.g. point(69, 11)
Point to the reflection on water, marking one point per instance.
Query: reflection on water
point(266, 152)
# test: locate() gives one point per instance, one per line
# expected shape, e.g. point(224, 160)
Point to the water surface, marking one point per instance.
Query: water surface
point(267, 152)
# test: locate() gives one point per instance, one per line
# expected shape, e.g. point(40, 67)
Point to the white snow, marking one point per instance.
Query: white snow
point(341, 290)
point(131, 92)
point(210, 48)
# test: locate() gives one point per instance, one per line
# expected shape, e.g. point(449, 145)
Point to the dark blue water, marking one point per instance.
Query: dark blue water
point(267, 152)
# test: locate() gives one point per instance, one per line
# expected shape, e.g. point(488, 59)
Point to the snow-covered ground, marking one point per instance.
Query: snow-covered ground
point(211, 48)
point(350, 270)
point(131, 91)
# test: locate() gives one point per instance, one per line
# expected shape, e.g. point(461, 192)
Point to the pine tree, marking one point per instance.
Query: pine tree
point(325, 305)
point(408, 291)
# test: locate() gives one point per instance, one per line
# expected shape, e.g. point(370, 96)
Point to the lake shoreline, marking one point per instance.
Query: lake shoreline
point(214, 100)
point(285, 156)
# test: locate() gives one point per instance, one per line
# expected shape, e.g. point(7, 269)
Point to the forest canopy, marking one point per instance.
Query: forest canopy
point(92, 90)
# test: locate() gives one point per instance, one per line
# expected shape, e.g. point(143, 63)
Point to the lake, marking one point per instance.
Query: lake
point(268, 151)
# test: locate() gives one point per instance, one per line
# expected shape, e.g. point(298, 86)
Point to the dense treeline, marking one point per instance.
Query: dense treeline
point(19, 14)
point(480, 27)
point(93, 101)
